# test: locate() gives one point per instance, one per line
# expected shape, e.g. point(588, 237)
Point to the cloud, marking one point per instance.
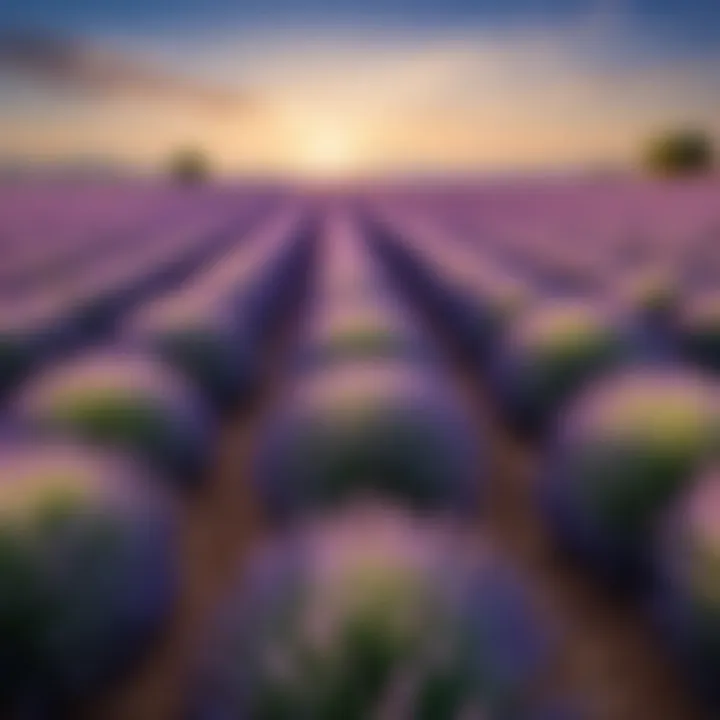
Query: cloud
point(70, 63)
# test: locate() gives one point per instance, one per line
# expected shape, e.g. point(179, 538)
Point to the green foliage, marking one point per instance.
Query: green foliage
point(681, 152)
point(189, 166)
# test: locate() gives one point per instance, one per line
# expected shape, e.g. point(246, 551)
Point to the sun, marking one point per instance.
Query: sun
point(327, 153)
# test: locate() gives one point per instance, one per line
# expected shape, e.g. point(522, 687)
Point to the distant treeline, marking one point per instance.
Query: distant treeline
point(671, 154)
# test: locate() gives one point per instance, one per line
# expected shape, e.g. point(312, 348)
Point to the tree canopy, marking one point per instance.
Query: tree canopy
point(189, 166)
point(682, 152)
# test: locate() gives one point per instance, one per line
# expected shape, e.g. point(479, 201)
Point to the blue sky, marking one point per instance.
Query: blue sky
point(394, 82)
point(669, 25)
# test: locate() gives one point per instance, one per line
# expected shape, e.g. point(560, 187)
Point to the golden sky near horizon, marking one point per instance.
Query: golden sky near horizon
point(350, 106)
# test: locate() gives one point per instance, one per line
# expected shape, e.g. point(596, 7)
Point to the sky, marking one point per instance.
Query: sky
point(336, 87)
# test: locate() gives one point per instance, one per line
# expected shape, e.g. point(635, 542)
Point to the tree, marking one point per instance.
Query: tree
point(683, 152)
point(189, 166)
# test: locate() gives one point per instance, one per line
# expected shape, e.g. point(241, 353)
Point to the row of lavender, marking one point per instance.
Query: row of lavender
point(384, 606)
point(157, 331)
point(373, 600)
point(622, 396)
point(66, 283)
point(637, 247)
point(91, 542)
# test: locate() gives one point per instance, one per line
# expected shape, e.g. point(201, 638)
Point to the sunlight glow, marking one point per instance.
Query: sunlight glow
point(326, 152)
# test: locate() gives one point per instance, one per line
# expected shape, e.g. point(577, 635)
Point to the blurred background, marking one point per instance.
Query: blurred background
point(307, 88)
point(359, 359)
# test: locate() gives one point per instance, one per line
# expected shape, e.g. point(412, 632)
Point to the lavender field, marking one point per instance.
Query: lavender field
point(387, 452)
